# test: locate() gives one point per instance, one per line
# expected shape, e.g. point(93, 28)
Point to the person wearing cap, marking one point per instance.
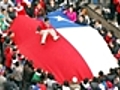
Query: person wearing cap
point(74, 85)
point(45, 30)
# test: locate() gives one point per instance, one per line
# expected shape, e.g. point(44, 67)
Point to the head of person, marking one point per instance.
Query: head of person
point(110, 33)
point(50, 76)
point(5, 1)
point(29, 5)
point(74, 80)
point(1, 19)
point(71, 8)
point(84, 12)
point(19, 4)
point(38, 28)
point(97, 23)
point(66, 83)
point(10, 8)
point(81, 18)
point(4, 11)
point(11, 34)
point(17, 64)
point(39, 6)
point(46, 20)
point(52, 2)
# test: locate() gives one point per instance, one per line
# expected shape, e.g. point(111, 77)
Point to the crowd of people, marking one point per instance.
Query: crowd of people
point(17, 72)
point(111, 11)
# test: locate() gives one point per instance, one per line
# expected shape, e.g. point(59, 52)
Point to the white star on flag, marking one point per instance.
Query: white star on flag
point(59, 18)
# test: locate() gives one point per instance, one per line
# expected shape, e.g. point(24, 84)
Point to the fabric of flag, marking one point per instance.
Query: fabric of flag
point(79, 52)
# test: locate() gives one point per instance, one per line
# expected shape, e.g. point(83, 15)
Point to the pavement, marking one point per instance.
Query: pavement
point(95, 12)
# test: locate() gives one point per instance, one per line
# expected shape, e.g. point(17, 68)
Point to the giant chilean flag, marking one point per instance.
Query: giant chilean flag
point(79, 52)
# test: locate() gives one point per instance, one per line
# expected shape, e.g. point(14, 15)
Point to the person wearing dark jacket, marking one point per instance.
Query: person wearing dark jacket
point(10, 84)
point(114, 47)
point(29, 10)
point(103, 32)
point(12, 14)
point(52, 6)
point(27, 74)
point(2, 49)
point(81, 20)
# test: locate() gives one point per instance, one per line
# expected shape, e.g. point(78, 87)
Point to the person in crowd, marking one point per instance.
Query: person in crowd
point(94, 84)
point(7, 18)
point(10, 84)
point(43, 4)
point(74, 85)
point(14, 61)
point(52, 6)
point(39, 11)
point(106, 12)
point(114, 47)
point(18, 1)
point(115, 2)
point(81, 20)
point(103, 32)
point(42, 85)
point(20, 74)
point(17, 74)
point(109, 85)
point(115, 8)
point(117, 55)
point(29, 10)
point(64, 3)
point(20, 9)
point(101, 76)
point(50, 82)
point(3, 26)
point(112, 7)
point(109, 36)
point(3, 79)
point(47, 29)
point(118, 12)
point(5, 3)
point(66, 86)
point(35, 86)
point(9, 36)
point(83, 2)
point(8, 59)
point(28, 72)
point(15, 49)
point(111, 75)
point(117, 82)
point(85, 84)
point(102, 85)
point(2, 49)
point(71, 14)
point(98, 25)
point(37, 76)
point(84, 12)
point(11, 12)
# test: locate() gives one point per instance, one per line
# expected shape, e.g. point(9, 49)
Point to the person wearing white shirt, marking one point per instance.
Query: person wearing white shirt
point(5, 3)
point(65, 86)
point(101, 86)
